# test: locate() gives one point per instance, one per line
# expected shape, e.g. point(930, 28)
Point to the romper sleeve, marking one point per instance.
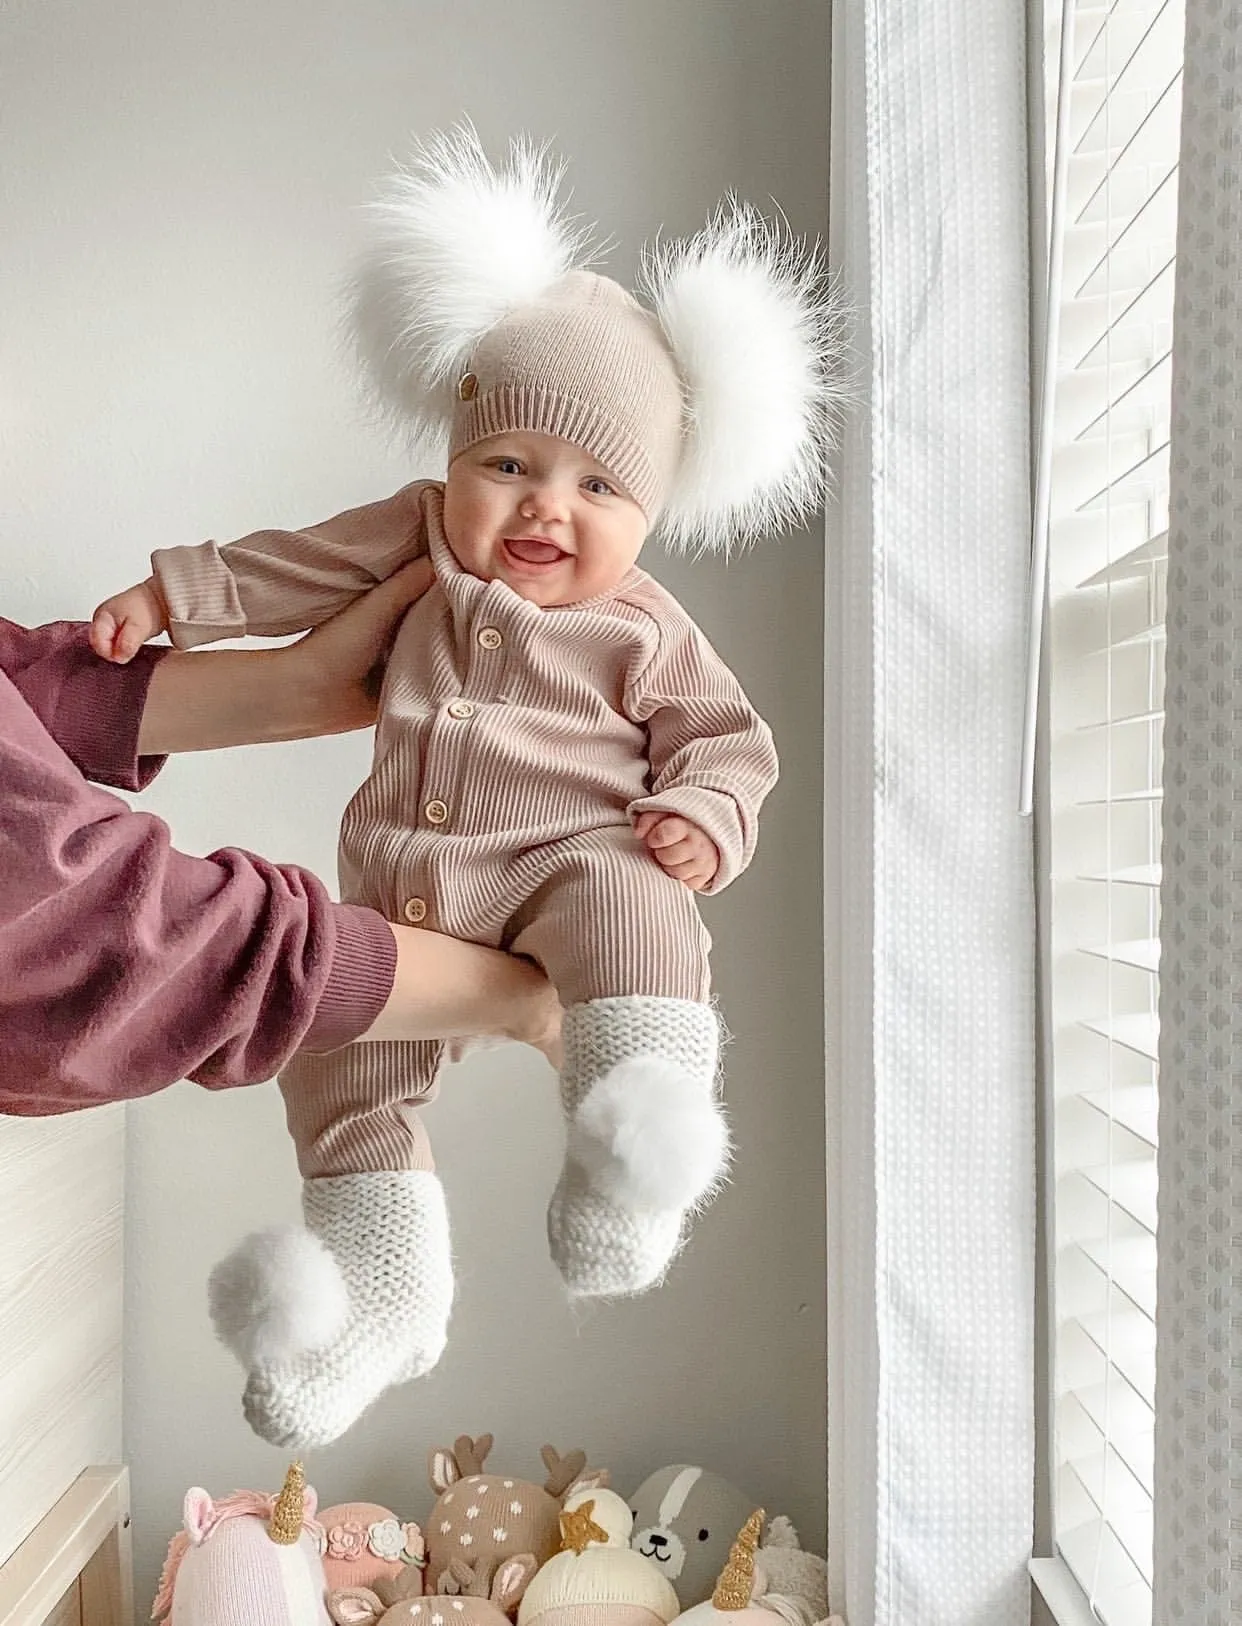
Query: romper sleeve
point(272, 583)
point(712, 757)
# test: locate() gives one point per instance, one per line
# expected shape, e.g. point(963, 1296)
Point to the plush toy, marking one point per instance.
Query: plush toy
point(365, 1543)
point(743, 1594)
point(684, 1520)
point(484, 1517)
point(486, 1595)
point(247, 1560)
point(597, 1576)
point(791, 1572)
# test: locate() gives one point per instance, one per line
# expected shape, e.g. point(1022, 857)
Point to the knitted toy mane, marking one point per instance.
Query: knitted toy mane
point(257, 1504)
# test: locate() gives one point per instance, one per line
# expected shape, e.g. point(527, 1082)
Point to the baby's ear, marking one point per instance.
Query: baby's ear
point(354, 1606)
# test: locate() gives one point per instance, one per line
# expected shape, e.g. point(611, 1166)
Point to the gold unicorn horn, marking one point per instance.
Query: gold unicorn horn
point(737, 1579)
point(286, 1522)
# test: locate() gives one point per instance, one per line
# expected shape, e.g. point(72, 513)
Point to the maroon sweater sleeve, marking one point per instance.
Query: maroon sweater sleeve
point(129, 965)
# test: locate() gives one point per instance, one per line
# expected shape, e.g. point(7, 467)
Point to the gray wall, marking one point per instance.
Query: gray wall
point(176, 182)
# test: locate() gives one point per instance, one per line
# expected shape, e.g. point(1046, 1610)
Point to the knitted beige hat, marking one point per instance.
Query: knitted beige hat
point(713, 404)
point(597, 1579)
point(587, 363)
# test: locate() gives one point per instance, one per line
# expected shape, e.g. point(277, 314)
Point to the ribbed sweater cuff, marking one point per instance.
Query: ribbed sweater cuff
point(98, 716)
point(364, 964)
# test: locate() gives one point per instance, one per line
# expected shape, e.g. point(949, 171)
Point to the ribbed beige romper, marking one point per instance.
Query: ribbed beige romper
point(514, 748)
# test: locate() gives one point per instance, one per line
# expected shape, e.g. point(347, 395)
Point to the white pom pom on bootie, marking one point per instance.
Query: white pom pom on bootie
point(327, 1318)
point(647, 1144)
point(647, 1136)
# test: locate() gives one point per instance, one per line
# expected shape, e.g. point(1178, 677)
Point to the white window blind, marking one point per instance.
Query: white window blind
point(1117, 197)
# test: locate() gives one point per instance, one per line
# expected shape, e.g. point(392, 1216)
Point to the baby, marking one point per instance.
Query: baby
point(562, 760)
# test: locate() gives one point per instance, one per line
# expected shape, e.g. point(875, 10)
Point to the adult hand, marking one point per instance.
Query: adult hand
point(344, 659)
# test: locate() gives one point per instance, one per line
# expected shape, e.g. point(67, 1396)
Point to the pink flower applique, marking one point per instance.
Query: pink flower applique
point(346, 1540)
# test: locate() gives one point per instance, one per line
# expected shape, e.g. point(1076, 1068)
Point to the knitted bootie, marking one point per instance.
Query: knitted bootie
point(325, 1319)
point(647, 1140)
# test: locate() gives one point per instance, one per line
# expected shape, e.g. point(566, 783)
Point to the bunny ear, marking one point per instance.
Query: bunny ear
point(454, 245)
point(757, 332)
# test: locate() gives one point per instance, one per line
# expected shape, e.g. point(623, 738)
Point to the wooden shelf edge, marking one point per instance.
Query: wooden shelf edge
point(91, 1515)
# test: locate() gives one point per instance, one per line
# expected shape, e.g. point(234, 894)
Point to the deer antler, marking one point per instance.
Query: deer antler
point(562, 1470)
point(471, 1454)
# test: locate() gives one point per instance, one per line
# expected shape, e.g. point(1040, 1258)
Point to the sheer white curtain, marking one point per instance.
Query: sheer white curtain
point(930, 916)
point(1198, 1490)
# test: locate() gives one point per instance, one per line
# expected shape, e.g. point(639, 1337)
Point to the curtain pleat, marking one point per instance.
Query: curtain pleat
point(1198, 1481)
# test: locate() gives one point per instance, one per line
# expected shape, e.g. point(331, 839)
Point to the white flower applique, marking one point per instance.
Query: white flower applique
point(386, 1539)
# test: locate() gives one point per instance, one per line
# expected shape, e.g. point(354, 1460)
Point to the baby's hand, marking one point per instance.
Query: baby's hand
point(121, 625)
point(680, 848)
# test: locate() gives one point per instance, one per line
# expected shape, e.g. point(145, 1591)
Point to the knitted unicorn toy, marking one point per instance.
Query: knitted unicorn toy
point(743, 1595)
point(247, 1560)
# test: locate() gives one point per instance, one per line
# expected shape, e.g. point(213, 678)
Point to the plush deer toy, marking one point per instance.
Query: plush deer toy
point(482, 1518)
point(486, 1594)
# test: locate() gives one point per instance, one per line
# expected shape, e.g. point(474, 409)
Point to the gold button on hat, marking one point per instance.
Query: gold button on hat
point(467, 387)
point(415, 911)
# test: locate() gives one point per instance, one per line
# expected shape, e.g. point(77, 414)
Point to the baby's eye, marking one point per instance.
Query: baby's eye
point(599, 488)
point(508, 465)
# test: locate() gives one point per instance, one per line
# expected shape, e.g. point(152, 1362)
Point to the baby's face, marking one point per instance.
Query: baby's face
point(541, 515)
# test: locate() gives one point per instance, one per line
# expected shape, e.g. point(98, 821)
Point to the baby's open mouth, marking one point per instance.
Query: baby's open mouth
point(533, 550)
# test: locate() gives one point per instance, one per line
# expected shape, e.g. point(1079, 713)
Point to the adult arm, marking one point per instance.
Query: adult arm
point(129, 965)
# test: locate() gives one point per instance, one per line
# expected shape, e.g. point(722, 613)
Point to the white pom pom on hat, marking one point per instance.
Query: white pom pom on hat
point(474, 313)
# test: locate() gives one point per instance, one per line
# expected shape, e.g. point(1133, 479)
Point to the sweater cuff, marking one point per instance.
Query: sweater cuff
point(201, 594)
point(364, 965)
point(99, 713)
